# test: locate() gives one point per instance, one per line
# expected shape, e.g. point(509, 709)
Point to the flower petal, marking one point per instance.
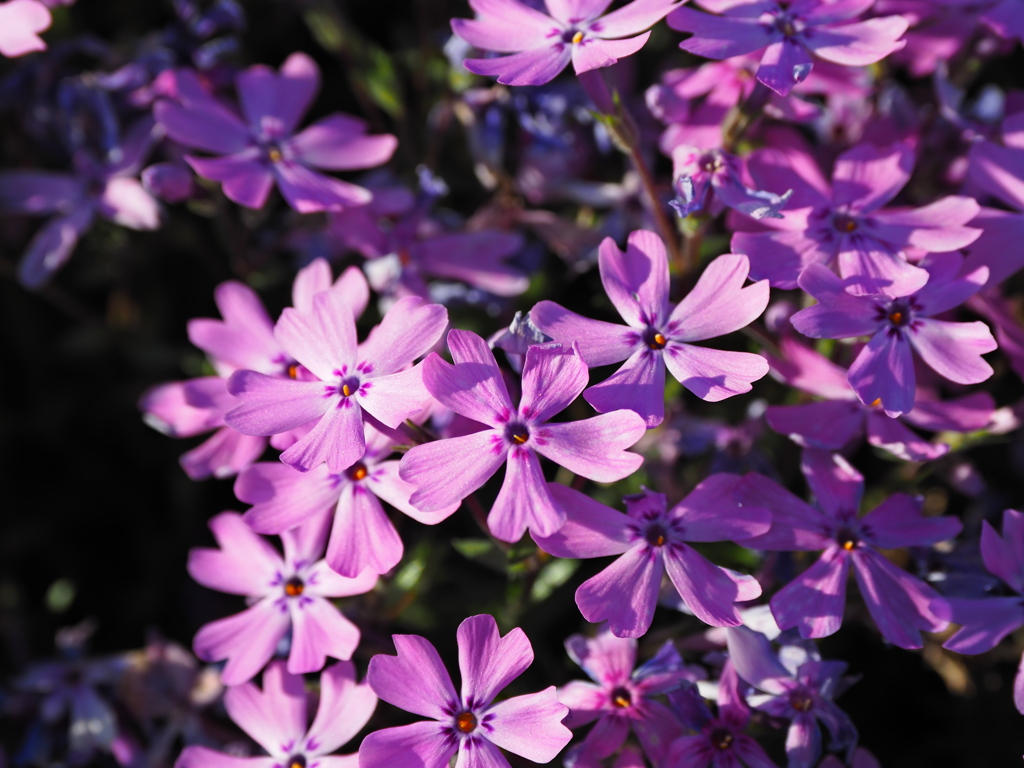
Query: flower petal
point(319, 630)
point(714, 374)
point(447, 471)
point(636, 280)
point(417, 660)
point(247, 640)
point(523, 501)
point(489, 662)
point(275, 717)
point(596, 447)
point(345, 707)
point(625, 593)
point(591, 529)
point(600, 343)
point(639, 385)
point(337, 143)
point(531, 725)
point(718, 303)
point(954, 350)
point(553, 376)
point(419, 745)
point(814, 600)
point(279, 99)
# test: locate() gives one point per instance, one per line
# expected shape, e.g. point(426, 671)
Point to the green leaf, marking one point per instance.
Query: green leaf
point(552, 576)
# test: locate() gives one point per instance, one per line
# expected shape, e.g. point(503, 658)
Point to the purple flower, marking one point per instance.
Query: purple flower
point(263, 149)
point(447, 471)
point(841, 417)
point(651, 540)
point(843, 222)
point(469, 724)
point(715, 742)
point(900, 604)
point(244, 339)
point(106, 189)
point(542, 45)
point(362, 536)
point(790, 33)
point(345, 379)
point(620, 698)
point(276, 719)
point(701, 175)
point(289, 593)
point(654, 338)
point(883, 373)
point(21, 21)
point(797, 687)
point(985, 622)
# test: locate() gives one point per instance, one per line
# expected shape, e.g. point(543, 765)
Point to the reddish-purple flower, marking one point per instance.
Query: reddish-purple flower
point(446, 471)
point(276, 719)
point(541, 45)
point(651, 540)
point(287, 593)
point(655, 336)
point(468, 724)
point(262, 148)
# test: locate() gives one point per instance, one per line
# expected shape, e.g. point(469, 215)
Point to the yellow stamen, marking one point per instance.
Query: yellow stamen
point(358, 472)
point(659, 541)
point(294, 588)
point(896, 318)
point(876, 403)
point(275, 155)
point(520, 437)
point(346, 390)
point(293, 371)
point(849, 544)
point(466, 722)
point(578, 37)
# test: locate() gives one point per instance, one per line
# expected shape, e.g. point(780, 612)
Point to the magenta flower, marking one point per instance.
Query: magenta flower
point(276, 719)
point(263, 149)
point(541, 45)
point(901, 605)
point(883, 372)
point(651, 540)
point(362, 536)
point(446, 471)
point(289, 593)
point(840, 418)
point(986, 621)
point(620, 698)
point(844, 222)
point(345, 379)
point(468, 724)
point(21, 21)
point(244, 339)
point(790, 33)
point(706, 180)
point(654, 338)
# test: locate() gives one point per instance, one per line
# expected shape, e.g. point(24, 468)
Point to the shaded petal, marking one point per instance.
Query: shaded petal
point(632, 18)
point(639, 385)
point(836, 485)
point(605, 658)
point(600, 343)
point(961, 414)
point(447, 471)
point(636, 280)
point(861, 43)
point(1004, 556)
point(830, 424)
point(417, 660)
point(207, 126)
point(603, 740)
point(489, 662)
point(884, 372)
point(714, 374)
point(362, 535)
point(814, 600)
point(39, 192)
point(625, 593)
point(553, 376)
point(803, 741)
point(899, 521)
point(195, 756)
point(308, 191)
point(388, 486)
point(323, 340)
point(275, 717)
point(594, 448)
point(718, 303)
point(245, 564)
point(337, 143)
point(796, 525)
point(475, 258)
point(594, 53)
point(224, 454)
point(954, 350)
point(785, 64)
point(867, 176)
point(409, 329)
point(984, 623)
point(268, 405)
point(530, 725)
point(126, 202)
point(319, 630)
point(711, 512)
point(283, 497)
point(869, 267)
point(52, 246)
point(719, 37)
point(891, 435)
point(780, 256)
point(705, 588)
point(504, 26)
point(247, 640)
point(523, 501)
point(244, 179)
point(591, 529)
point(585, 701)
point(532, 67)
point(755, 662)
point(420, 745)
point(278, 100)
point(937, 227)
point(345, 707)
point(999, 171)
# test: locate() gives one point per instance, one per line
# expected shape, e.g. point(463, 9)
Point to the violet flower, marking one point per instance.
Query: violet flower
point(541, 45)
point(844, 222)
point(263, 149)
point(244, 339)
point(287, 593)
point(446, 471)
point(21, 21)
point(651, 540)
point(901, 605)
point(107, 189)
point(796, 687)
point(715, 741)
point(840, 417)
point(345, 379)
point(620, 699)
point(985, 622)
point(276, 719)
point(637, 282)
point(791, 34)
point(469, 724)
point(704, 178)
point(362, 536)
point(883, 373)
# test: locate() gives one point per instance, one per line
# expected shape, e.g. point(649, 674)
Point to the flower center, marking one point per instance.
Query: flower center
point(297, 761)
point(721, 738)
point(357, 471)
point(654, 339)
point(517, 433)
point(293, 588)
point(711, 162)
point(656, 535)
point(801, 701)
point(622, 698)
point(465, 722)
point(293, 371)
point(574, 36)
point(897, 318)
point(844, 223)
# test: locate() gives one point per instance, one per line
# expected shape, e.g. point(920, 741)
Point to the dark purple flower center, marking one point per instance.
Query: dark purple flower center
point(899, 313)
point(465, 722)
point(788, 24)
point(721, 738)
point(621, 698)
point(516, 432)
point(294, 587)
point(801, 701)
point(357, 471)
point(296, 761)
point(572, 35)
point(711, 162)
point(843, 223)
point(656, 535)
point(348, 386)
point(847, 539)
point(653, 338)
